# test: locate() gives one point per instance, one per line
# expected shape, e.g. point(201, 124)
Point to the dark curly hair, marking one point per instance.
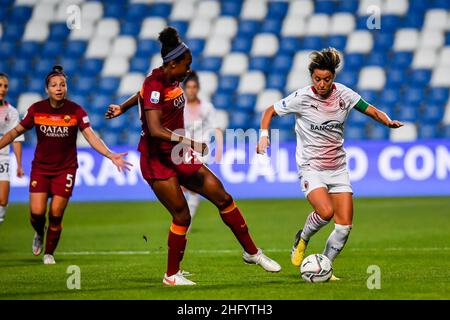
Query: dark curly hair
point(326, 59)
point(169, 39)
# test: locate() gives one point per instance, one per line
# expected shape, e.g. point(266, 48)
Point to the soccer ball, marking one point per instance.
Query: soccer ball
point(316, 268)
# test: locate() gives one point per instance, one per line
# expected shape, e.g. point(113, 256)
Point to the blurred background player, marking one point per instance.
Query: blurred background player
point(321, 110)
point(200, 125)
point(9, 118)
point(54, 166)
point(166, 167)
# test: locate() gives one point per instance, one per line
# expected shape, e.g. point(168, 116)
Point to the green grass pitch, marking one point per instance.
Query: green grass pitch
point(407, 238)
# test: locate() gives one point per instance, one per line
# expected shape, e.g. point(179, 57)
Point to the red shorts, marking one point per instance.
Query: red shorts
point(161, 167)
point(59, 184)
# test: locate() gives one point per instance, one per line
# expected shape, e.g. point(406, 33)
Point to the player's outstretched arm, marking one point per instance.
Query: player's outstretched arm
point(115, 110)
point(382, 117)
point(267, 116)
point(100, 147)
point(11, 135)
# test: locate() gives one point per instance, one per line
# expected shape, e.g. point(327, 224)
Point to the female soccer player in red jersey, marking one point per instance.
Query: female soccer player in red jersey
point(9, 118)
point(168, 161)
point(54, 166)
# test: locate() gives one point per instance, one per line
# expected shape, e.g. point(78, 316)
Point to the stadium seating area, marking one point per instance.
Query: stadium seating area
point(248, 53)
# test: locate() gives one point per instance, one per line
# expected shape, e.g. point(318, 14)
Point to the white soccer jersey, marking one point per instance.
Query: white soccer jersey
point(9, 118)
point(200, 121)
point(319, 125)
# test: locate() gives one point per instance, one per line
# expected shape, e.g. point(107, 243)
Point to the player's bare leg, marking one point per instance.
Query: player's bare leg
point(38, 208)
point(343, 218)
point(55, 215)
point(4, 195)
point(171, 196)
point(205, 183)
point(322, 214)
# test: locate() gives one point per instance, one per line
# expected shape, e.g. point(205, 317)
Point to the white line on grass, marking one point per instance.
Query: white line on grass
point(107, 253)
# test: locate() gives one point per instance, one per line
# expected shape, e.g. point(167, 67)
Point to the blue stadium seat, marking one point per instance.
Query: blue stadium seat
point(401, 59)
point(354, 132)
point(348, 78)
point(116, 124)
point(282, 63)
point(277, 9)
point(15, 86)
point(337, 42)
point(248, 27)
point(75, 48)
point(440, 4)
point(413, 20)
point(231, 8)
point(43, 67)
point(20, 14)
point(7, 49)
point(100, 102)
point(407, 113)
point(58, 32)
point(239, 120)
point(262, 64)
point(160, 10)
point(228, 84)
point(79, 99)
point(438, 95)
point(286, 122)
point(211, 64)
point(108, 85)
point(4, 66)
point(146, 48)
point(432, 113)
point(377, 59)
point(353, 61)
point(428, 131)
point(417, 6)
point(52, 49)
point(97, 120)
point(271, 26)
point(36, 85)
point(71, 66)
point(325, 6)
point(13, 31)
point(446, 131)
point(378, 132)
point(138, 64)
point(390, 23)
point(22, 67)
point(196, 45)
point(350, 6)
point(447, 39)
point(356, 118)
point(84, 85)
point(242, 44)
point(276, 80)
point(361, 22)
point(289, 45)
point(113, 10)
point(180, 25)
point(222, 100)
point(414, 97)
point(287, 135)
point(383, 41)
point(130, 28)
point(419, 77)
point(29, 49)
point(245, 102)
point(91, 67)
point(390, 96)
point(109, 137)
point(137, 12)
point(370, 96)
point(311, 43)
point(395, 78)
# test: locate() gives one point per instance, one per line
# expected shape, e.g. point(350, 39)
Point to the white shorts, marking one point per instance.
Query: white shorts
point(4, 168)
point(334, 180)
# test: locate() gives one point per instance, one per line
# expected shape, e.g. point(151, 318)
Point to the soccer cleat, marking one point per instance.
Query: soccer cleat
point(185, 273)
point(48, 259)
point(177, 280)
point(298, 250)
point(261, 259)
point(38, 244)
point(334, 278)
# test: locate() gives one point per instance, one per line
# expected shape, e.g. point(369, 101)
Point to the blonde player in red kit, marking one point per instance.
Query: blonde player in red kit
point(57, 121)
point(168, 161)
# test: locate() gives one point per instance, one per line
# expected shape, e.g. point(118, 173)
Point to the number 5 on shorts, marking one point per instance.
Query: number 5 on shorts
point(69, 181)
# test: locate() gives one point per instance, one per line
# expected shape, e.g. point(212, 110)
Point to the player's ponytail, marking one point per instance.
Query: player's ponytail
point(57, 70)
point(172, 48)
point(326, 59)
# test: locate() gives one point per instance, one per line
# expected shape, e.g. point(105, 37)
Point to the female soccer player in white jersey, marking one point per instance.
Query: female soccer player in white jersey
point(9, 118)
point(321, 110)
point(201, 125)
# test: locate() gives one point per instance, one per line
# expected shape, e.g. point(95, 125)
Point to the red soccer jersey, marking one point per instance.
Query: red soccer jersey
point(158, 94)
point(56, 131)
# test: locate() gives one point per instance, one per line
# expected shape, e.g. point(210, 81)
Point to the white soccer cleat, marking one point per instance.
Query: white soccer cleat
point(38, 244)
point(48, 259)
point(177, 280)
point(261, 259)
point(185, 273)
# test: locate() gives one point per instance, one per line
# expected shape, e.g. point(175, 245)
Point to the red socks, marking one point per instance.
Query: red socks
point(177, 243)
point(53, 234)
point(233, 218)
point(38, 223)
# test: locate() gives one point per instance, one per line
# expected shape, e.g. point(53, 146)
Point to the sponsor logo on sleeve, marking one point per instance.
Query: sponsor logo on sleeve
point(284, 104)
point(86, 119)
point(154, 97)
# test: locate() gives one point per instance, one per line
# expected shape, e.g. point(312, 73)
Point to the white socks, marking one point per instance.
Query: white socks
point(2, 214)
point(313, 224)
point(336, 241)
